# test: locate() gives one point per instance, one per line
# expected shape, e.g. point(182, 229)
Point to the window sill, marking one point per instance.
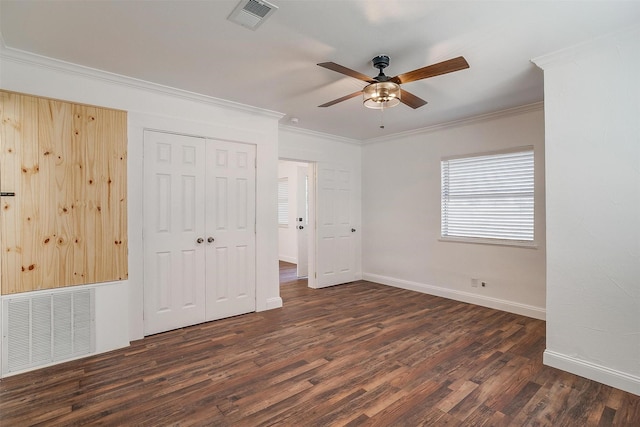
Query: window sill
point(491, 242)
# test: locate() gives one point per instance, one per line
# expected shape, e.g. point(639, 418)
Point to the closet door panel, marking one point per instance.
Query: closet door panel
point(174, 282)
point(231, 226)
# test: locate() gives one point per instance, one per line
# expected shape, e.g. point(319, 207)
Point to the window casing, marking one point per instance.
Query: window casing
point(489, 198)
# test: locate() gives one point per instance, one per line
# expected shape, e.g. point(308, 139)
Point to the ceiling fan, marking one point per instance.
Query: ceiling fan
point(384, 91)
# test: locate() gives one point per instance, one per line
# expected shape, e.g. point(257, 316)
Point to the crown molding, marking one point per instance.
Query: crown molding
point(536, 106)
point(632, 32)
point(322, 135)
point(35, 60)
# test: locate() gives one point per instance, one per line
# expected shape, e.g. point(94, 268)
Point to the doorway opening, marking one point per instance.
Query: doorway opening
point(296, 216)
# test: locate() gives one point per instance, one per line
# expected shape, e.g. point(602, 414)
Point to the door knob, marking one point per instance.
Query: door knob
point(300, 227)
point(210, 239)
point(353, 230)
point(199, 240)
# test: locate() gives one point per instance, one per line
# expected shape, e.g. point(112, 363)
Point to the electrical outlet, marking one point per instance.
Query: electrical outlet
point(474, 283)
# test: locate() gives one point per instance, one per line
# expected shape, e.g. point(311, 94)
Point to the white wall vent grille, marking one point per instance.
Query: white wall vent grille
point(251, 13)
point(45, 328)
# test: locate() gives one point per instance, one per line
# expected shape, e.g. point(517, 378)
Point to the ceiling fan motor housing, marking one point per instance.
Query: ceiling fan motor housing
point(380, 62)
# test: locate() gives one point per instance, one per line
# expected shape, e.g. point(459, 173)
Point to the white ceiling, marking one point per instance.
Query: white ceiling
point(190, 45)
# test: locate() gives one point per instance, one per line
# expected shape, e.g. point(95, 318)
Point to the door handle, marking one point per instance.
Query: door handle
point(300, 227)
point(199, 240)
point(353, 230)
point(210, 239)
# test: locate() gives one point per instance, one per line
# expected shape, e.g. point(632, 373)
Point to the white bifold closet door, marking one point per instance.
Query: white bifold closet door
point(198, 231)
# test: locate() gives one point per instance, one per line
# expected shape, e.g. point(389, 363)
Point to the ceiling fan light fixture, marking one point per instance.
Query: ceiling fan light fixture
point(381, 95)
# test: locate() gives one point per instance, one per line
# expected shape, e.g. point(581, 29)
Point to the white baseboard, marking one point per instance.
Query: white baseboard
point(592, 371)
point(290, 259)
point(498, 304)
point(275, 302)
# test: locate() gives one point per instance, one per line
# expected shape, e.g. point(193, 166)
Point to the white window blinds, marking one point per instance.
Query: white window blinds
point(489, 197)
point(283, 202)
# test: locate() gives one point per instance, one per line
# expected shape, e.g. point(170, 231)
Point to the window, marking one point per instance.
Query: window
point(283, 202)
point(489, 198)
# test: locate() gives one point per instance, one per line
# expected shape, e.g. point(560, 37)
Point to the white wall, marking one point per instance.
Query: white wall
point(288, 236)
point(592, 105)
point(314, 147)
point(156, 107)
point(401, 216)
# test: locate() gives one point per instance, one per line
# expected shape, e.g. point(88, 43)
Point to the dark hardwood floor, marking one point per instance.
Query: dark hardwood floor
point(356, 354)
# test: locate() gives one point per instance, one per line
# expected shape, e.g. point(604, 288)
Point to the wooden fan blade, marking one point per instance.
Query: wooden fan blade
point(344, 98)
point(449, 66)
point(346, 71)
point(411, 100)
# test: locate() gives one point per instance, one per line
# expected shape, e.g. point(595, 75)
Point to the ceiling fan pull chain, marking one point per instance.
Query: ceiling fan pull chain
point(382, 117)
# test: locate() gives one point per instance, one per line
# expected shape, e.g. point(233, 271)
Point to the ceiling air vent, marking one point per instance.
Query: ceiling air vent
point(251, 13)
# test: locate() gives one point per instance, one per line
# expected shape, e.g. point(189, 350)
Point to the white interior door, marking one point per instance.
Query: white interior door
point(174, 285)
point(336, 228)
point(302, 221)
point(230, 234)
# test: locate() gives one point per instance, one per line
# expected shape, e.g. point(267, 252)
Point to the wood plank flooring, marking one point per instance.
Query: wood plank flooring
point(360, 354)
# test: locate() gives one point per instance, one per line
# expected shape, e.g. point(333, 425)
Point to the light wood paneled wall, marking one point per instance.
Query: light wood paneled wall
point(67, 223)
